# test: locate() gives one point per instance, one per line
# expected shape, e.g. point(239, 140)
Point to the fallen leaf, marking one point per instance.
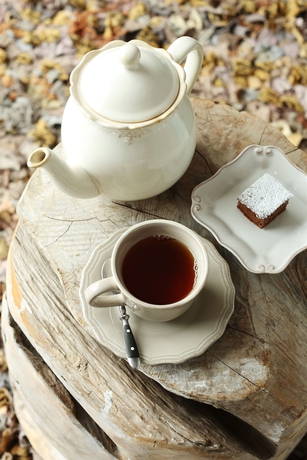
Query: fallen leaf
point(295, 138)
point(4, 249)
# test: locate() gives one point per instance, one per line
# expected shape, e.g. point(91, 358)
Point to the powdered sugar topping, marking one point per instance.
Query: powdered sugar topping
point(264, 196)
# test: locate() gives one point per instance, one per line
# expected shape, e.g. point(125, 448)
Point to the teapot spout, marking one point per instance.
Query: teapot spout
point(70, 179)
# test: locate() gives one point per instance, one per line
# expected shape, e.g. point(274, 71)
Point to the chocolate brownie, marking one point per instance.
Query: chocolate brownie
point(264, 200)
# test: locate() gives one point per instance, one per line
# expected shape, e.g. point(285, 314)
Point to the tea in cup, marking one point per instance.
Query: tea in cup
point(158, 269)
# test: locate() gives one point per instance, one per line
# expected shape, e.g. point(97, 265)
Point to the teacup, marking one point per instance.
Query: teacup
point(158, 268)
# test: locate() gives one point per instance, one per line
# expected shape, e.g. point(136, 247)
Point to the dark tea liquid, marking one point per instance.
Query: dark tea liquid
point(159, 270)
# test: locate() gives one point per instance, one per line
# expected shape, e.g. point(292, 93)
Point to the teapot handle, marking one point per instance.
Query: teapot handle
point(191, 49)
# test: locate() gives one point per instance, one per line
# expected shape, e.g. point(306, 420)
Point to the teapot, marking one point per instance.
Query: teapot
point(128, 129)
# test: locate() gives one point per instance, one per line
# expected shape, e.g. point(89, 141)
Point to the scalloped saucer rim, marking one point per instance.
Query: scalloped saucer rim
point(171, 342)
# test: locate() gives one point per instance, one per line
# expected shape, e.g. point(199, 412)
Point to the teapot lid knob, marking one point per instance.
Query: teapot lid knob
point(130, 56)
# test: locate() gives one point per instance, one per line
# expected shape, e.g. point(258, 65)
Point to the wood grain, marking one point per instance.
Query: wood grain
point(245, 397)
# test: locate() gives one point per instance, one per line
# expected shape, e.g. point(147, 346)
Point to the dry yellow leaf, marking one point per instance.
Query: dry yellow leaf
point(30, 15)
point(27, 37)
point(42, 134)
point(241, 81)
point(199, 3)
point(268, 95)
point(48, 64)
point(282, 63)
point(297, 34)
point(48, 35)
point(295, 138)
point(4, 250)
point(298, 75)
point(269, 11)
point(5, 444)
point(3, 363)
point(155, 21)
point(93, 5)
point(61, 18)
point(83, 46)
point(195, 20)
point(140, 9)
point(92, 21)
point(247, 6)
point(267, 66)
point(206, 70)
point(47, 22)
point(180, 2)
point(210, 57)
point(218, 82)
point(5, 397)
point(303, 51)
point(218, 20)
point(148, 36)
point(3, 55)
point(80, 4)
point(283, 127)
point(221, 102)
point(51, 104)
point(22, 453)
point(24, 58)
point(292, 9)
point(261, 74)
point(5, 217)
point(108, 31)
point(290, 101)
point(254, 82)
point(241, 67)
point(117, 19)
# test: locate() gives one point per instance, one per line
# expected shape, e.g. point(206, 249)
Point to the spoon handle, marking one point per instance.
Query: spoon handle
point(132, 351)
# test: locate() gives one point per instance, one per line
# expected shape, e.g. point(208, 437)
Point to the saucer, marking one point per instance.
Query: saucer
point(170, 342)
point(214, 205)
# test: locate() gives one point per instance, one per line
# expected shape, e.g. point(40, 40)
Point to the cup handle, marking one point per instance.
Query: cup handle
point(191, 49)
point(95, 299)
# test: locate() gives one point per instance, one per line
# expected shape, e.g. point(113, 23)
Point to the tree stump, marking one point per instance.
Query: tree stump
point(245, 397)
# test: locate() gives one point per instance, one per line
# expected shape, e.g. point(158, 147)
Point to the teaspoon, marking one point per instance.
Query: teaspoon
point(130, 343)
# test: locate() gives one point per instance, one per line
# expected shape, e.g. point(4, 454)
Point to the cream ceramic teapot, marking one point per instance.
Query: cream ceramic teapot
point(128, 128)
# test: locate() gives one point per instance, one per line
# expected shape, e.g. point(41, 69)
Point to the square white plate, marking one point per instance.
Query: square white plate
point(214, 205)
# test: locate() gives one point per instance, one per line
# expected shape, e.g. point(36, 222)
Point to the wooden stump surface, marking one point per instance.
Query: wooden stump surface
point(245, 396)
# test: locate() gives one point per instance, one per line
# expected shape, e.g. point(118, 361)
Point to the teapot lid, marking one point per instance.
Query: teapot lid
point(126, 82)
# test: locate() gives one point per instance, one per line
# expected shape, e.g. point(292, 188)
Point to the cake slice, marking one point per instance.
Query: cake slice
point(264, 200)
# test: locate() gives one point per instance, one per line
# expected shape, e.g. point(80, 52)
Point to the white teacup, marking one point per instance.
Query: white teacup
point(158, 269)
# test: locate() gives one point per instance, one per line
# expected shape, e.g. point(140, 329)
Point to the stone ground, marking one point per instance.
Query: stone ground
point(255, 60)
